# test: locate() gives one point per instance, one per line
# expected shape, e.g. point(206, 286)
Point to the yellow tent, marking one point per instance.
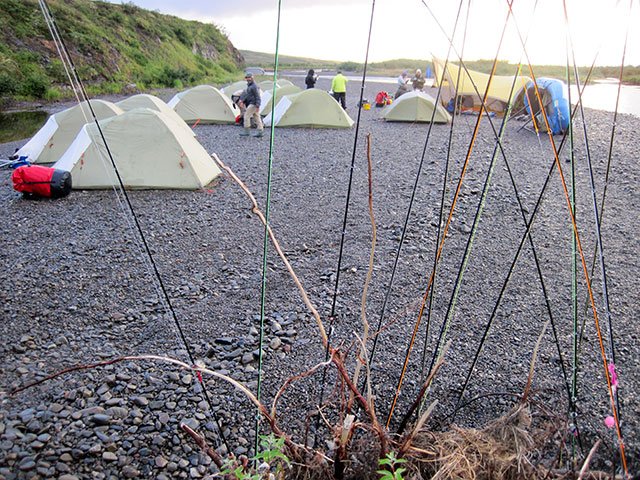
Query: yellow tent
point(499, 90)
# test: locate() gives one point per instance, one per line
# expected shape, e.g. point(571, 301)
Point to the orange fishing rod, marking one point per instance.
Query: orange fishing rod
point(584, 265)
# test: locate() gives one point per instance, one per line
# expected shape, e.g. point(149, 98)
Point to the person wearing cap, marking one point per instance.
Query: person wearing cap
point(339, 88)
point(403, 80)
point(251, 101)
point(418, 80)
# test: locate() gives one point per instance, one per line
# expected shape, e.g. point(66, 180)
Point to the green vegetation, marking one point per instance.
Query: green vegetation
point(391, 472)
point(18, 125)
point(111, 45)
point(270, 460)
point(631, 75)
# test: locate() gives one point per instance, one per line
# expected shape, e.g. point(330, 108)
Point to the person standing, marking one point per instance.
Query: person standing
point(311, 79)
point(251, 101)
point(339, 88)
point(418, 80)
point(403, 79)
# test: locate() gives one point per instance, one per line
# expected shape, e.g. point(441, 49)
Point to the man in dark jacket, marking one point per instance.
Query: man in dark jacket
point(251, 100)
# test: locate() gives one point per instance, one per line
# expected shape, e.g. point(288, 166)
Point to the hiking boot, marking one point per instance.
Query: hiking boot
point(259, 134)
point(245, 133)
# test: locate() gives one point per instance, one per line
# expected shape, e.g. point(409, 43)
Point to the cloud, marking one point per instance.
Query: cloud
point(227, 9)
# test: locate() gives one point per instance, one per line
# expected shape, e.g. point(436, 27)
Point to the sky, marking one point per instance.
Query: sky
point(418, 29)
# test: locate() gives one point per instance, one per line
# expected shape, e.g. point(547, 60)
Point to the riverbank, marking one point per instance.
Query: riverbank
point(78, 291)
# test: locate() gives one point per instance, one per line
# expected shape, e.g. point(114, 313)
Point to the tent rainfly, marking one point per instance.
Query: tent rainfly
point(206, 104)
point(415, 106)
point(144, 100)
point(234, 87)
point(266, 99)
point(268, 84)
point(149, 151)
point(309, 108)
point(51, 141)
point(500, 88)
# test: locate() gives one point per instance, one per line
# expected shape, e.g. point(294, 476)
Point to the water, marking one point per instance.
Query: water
point(19, 125)
point(599, 96)
point(602, 96)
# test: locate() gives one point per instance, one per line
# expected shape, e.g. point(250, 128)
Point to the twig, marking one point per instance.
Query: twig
point(256, 210)
point(588, 460)
point(291, 379)
point(533, 361)
point(407, 444)
point(363, 312)
point(426, 385)
point(202, 443)
point(271, 420)
point(363, 403)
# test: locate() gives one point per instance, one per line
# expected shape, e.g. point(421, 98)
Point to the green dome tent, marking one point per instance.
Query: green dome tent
point(234, 87)
point(267, 97)
point(144, 100)
point(148, 149)
point(415, 107)
point(51, 141)
point(309, 108)
point(205, 104)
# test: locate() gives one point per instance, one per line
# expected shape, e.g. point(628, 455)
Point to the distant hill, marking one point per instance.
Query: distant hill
point(265, 60)
point(112, 45)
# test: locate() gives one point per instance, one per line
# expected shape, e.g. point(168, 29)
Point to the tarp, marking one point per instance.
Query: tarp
point(415, 106)
point(499, 90)
point(144, 100)
point(58, 132)
point(206, 104)
point(266, 100)
point(310, 108)
point(149, 152)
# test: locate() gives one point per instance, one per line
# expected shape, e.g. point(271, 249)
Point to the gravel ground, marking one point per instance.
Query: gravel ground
point(77, 290)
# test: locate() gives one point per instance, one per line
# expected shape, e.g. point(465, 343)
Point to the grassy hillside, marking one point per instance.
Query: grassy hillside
point(112, 45)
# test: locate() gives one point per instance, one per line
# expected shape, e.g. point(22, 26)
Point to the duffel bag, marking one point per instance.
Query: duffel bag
point(43, 181)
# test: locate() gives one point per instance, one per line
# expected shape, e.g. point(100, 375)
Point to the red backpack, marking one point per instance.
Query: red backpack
point(382, 99)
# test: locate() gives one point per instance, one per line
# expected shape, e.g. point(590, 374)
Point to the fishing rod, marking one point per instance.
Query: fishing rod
point(346, 213)
point(149, 256)
point(410, 208)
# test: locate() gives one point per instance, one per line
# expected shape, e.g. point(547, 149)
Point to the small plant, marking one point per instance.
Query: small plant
point(391, 472)
point(270, 457)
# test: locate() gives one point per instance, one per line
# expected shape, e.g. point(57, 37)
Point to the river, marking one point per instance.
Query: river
point(600, 96)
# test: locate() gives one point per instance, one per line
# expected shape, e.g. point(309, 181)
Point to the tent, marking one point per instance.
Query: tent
point(144, 100)
point(58, 132)
point(415, 106)
point(234, 87)
point(266, 100)
point(309, 108)
point(268, 84)
point(465, 93)
point(204, 104)
point(555, 98)
point(148, 149)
